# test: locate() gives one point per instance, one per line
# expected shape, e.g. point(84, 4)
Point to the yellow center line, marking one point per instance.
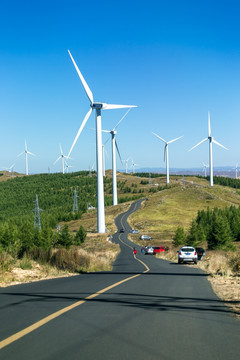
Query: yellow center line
point(53, 316)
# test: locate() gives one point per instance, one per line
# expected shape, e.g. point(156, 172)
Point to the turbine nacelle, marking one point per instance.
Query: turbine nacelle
point(98, 105)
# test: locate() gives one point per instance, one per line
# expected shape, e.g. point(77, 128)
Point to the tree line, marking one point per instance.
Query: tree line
point(220, 228)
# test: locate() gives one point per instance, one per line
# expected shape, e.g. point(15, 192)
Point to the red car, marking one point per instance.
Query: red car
point(158, 249)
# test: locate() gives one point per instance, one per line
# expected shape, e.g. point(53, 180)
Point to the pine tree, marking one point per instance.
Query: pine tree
point(180, 237)
point(64, 237)
point(80, 236)
point(220, 236)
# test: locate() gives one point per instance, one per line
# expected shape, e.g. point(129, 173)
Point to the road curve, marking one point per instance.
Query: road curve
point(145, 308)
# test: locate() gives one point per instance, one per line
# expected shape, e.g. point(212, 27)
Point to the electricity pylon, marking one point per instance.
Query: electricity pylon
point(75, 201)
point(37, 218)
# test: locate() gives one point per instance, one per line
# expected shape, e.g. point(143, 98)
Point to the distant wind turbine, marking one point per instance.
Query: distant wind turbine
point(211, 140)
point(97, 106)
point(236, 171)
point(205, 166)
point(113, 133)
point(26, 152)
point(63, 157)
point(126, 165)
point(166, 153)
point(133, 166)
point(67, 166)
point(10, 169)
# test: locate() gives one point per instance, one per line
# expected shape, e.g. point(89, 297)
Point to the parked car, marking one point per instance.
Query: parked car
point(145, 237)
point(121, 230)
point(158, 249)
point(149, 250)
point(187, 254)
point(200, 253)
point(133, 231)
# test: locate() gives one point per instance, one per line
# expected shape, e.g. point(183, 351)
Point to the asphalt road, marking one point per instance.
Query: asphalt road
point(145, 308)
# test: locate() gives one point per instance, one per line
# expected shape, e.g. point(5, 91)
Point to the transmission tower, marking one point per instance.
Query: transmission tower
point(75, 201)
point(37, 218)
point(150, 179)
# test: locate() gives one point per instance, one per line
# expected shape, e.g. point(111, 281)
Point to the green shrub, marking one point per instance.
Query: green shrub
point(180, 237)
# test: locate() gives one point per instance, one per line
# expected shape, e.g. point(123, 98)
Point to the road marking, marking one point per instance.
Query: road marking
point(53, 316)
point(125, 214)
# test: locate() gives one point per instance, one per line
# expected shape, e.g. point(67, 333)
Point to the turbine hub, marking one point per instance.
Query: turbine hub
point(97, 105)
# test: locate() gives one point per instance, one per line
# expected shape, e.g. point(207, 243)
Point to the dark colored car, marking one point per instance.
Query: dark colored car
point(200, 252)
point(121, 230)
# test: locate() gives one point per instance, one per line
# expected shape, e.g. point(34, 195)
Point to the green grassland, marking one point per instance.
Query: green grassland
point(178, 205)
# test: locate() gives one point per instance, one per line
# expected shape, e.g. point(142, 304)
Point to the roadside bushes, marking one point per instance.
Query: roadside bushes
point(26, 238)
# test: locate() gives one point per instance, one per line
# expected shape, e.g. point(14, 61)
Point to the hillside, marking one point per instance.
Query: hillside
point(178, 205)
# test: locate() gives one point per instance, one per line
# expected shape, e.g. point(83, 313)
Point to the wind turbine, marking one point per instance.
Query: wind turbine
point(236, 171)
point(133, 166)
point(26, 152)
point(205, 169)
point(97, 106)
point(63, 157)
point(67, 166)
point(10, 169)
point(166, 153)
point(126, 165)
point(113, 133)
point(211, 140)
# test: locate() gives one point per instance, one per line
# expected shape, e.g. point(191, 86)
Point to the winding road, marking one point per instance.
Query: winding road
point(145, 308)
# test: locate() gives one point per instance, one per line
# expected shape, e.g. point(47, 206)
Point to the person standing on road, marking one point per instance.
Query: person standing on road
point(134, 251)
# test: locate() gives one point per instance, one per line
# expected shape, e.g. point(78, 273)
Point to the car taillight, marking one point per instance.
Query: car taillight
point(180, 253)
point(195, 253)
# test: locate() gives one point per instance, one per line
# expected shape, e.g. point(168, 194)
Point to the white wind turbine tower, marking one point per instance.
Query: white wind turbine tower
point(211, 140)
point(103, 157)
point(236, 171)
point(26, 152)
point(126, 165)
point(113, 133)
point(166, 153)
point(205, 166)
point(97, 106)
point(63, 157)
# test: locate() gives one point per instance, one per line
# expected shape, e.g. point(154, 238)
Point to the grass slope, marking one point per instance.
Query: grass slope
point(164, 211)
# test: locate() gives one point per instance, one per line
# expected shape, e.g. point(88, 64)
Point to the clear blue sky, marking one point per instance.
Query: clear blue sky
point(175, 60)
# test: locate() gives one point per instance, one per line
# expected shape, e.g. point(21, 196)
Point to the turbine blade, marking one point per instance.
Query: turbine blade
point(61, 149)
point(106, 141)
point(118, 151)
point(57, 160)
point(80, 130)
point(160, 138)
point(217, 143)
point(209, 125)
point(106, 131)
point(122, 118)
point(114, 106)
point(198, 144)
point(31, 153)
point(85, 85)
point(21, 154)
point(171, 141)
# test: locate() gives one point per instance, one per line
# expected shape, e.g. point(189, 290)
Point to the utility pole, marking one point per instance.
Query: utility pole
point(75, 201)
point(37, 218)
